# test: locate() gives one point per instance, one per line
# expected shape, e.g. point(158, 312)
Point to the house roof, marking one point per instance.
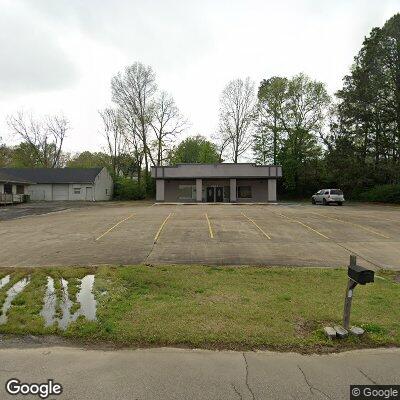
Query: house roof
point(6, 177)
point(54, 175)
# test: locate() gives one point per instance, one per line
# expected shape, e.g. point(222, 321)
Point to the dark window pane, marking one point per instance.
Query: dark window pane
point(244, 192)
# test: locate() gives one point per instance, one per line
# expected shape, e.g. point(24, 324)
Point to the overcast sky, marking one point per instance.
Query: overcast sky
point(60, 55)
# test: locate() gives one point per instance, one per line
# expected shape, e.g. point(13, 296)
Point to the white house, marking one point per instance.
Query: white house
point(60, 184)
point(12, 188)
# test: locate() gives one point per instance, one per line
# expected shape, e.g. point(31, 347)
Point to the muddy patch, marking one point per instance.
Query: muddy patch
point(4, 281)
point(12, 293)
point(85, 298)
point(303, 328)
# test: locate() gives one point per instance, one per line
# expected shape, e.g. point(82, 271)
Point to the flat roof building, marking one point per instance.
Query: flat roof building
point(210, 183)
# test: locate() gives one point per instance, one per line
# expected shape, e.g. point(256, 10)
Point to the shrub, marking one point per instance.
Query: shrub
point(382, 193)
point(128, 189)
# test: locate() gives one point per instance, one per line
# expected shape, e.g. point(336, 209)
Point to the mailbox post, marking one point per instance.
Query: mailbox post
point(357, 275)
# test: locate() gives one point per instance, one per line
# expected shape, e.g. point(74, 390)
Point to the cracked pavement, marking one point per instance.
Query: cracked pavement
point(168, 373)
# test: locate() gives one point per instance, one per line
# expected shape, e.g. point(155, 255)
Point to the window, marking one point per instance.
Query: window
point(336, 191)
point(20, 189)
point(77, 190)
point(187, 192)
point(7, 188)
point(244, 192)
point(106, 192)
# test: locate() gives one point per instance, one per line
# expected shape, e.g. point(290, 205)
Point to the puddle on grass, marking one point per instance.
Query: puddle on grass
point(50, 300)
point(12, 293)
point(85, 298)
point(4, 281)
point(65, 305)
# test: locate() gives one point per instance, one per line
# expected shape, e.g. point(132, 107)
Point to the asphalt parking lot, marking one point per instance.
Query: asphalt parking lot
point(132, 233)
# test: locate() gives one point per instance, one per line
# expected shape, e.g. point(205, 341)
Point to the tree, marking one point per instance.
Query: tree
point(369, 108)
point(86, 159)
point(195, 149)
point(236, 116)
point(44, 137)
point(6, 155)
point(272, 95)
point(167, 123)
point(133, 91)
point(113, 133)
point(292, 118)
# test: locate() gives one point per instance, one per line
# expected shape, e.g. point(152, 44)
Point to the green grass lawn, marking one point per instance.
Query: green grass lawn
point(213, 307)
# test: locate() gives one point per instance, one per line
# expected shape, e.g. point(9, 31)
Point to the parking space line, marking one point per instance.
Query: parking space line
point(114, 226)
point(260, 229)
point(209, 228)
point(305, 225)
point(161, 228)
point(352, 223)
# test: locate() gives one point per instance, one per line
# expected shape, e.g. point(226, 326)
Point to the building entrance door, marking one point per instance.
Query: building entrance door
point(219, 194)
point(210, 195)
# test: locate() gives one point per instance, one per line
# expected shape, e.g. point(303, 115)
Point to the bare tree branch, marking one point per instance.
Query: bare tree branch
point(45, 136)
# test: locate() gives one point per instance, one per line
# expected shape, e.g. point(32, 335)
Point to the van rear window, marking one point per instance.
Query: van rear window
point(336, 191)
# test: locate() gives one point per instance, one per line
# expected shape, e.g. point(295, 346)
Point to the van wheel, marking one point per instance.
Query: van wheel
point(324, 202)
point(313, 202)
point(339, 203)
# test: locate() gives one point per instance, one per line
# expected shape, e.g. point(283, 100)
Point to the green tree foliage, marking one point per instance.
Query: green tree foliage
point(128, 189)
point(86, 159)
point(6, 156)
point(368, 119)
point(292, 114)
point(267, 141)
point(195, 149)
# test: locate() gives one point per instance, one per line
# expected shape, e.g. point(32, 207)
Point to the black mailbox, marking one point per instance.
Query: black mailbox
point(360, 274)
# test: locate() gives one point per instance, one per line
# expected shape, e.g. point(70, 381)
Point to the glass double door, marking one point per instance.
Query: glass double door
point(215, 194)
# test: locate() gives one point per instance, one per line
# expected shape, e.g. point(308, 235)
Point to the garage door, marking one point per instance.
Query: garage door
point(60, 192)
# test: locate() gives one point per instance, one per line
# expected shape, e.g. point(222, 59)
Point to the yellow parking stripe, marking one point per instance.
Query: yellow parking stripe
point(114, 226)
point(352, 223)
point(305, 225)
point(209, 228)
point(161, 228)
point(260, 229)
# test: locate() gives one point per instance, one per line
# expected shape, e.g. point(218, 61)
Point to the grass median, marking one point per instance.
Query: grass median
point(210, 307)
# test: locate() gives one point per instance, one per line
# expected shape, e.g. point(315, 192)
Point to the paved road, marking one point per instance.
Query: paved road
point(196, 374)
